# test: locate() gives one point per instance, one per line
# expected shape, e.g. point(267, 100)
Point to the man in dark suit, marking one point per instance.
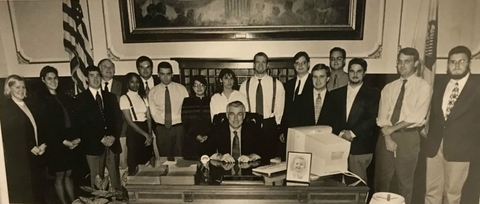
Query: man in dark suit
point(145, 69)
point(351, 111)
point(320, 77)
point(298, 94)
point(99, 119)
point(453, 141)
point(235, 140)
point(107, 69)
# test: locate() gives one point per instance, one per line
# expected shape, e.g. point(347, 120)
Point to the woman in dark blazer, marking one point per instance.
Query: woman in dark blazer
point(23, 147)
point(55, 120)
point(196, 117)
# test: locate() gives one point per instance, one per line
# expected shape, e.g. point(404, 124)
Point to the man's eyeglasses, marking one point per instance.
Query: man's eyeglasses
point(459, 62)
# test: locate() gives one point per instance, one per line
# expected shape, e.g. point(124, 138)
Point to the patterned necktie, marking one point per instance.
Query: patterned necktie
point(297, 90)
point(235, 146)
point(99, 101)
point(451, 101)
point(106, 87)
point(318, 107)
point(147, 89)
point(398, 106)
point(259, 105)
point(168, 109)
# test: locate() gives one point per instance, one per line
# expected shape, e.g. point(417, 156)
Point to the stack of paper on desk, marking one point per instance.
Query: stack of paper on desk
point(180, 175)
point(148, 175)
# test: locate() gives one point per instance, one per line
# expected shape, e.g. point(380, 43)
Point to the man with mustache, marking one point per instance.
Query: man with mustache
point(453, 140)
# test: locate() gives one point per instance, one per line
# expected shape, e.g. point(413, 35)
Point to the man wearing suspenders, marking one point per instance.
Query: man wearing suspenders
point(265, 96)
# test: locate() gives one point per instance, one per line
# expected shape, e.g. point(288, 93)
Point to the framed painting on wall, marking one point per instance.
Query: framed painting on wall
point(214, 20)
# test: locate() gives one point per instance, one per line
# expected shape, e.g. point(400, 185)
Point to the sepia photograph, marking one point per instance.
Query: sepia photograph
point(299, 166)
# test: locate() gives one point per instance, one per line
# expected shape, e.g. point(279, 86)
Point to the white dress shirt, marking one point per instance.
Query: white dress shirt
point(267, 88)
point(157, 102)
point(219, 102)
point(303, 80)
point(110, 82)
point(94, 94)
point(149, 81)
point(351, 95)
point(415, 106)
point(449, 90)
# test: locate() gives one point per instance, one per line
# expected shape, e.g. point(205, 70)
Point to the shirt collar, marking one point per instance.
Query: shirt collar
point(461, 82)
point(349, 87)
point(94, 91)
point(303, 78)
point(109, 81)
point(238, 130)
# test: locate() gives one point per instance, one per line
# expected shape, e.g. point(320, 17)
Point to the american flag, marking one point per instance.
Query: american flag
point(76, 42)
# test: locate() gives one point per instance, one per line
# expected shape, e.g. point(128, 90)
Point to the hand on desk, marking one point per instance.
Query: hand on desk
point(251, 157)
point(224, 165)
point(223, 158)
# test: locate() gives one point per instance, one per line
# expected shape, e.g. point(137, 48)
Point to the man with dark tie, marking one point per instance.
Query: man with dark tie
point(337, 63)
point(235, 140)
point(265, 96)
point(100, 119)
point(351, 111)
point(453, 140)
point(145, 69)
point(298, 94)
point(107, 69)
point(403, 107)
point(166, 101)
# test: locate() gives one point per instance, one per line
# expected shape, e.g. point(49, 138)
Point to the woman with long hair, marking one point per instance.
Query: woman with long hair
point(23, 146)
point(55, 114)
point(134, 106)
point(227, 92)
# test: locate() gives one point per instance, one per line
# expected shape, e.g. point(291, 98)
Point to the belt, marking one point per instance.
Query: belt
point(172, 125)
point(411, 129)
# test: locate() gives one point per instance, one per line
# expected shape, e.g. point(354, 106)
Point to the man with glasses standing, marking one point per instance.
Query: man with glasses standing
point(403, 107)
point(339, 78)
point(453, 140)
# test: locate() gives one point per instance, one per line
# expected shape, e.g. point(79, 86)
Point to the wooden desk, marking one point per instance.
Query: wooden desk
point(323, 190)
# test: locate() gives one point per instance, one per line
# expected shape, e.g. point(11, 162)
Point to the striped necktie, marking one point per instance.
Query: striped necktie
point(235, 146)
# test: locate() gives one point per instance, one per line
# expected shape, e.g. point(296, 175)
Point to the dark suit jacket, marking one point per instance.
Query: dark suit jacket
point(91, 126)
point(298, 112)
point(117, 89)
point(220, 141)
point(22, 167)
point(460, 131)
point(361, 120)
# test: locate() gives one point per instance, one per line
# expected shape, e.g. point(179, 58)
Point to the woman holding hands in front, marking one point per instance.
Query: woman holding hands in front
point(55, 114)
point(23, 147)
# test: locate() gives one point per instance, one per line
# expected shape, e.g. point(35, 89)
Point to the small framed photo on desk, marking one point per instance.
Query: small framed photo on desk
point(298, 167)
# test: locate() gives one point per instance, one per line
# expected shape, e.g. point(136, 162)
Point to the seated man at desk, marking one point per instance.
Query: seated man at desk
point(237, 140)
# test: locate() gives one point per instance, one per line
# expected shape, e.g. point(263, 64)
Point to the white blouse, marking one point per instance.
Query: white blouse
point(139, 105)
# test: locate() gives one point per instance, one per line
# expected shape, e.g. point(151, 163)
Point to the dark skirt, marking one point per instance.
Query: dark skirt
point(137, 152)
point(61, 158)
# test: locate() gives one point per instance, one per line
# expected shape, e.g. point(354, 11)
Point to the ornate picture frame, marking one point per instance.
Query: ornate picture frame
point(235, 20)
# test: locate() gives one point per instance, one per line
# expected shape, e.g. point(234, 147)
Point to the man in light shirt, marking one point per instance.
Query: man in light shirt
point(339, 77)
point(404, 105)
point(453, 140)
point(351, 111)
point(166, 101)
point(265, 96)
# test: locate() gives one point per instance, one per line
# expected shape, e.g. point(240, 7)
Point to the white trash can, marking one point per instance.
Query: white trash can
point(387, 198)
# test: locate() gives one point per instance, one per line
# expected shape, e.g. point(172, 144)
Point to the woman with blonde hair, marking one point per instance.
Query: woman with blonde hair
point(23, 146)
